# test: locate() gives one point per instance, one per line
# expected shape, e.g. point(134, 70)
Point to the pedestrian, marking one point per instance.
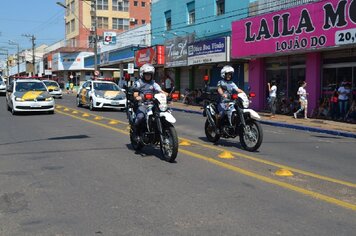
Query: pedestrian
point(122, 83)
point(302, 100)
point(272, 97)
point(334, 105)
point(168, 83)
point(344, 93)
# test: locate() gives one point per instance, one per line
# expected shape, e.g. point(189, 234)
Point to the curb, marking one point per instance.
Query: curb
point(284, 125)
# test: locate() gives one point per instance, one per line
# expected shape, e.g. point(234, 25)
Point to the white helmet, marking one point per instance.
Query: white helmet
point(147, 68)
point(226, 69)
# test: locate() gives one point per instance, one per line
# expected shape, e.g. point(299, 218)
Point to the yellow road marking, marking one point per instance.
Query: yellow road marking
point(239, 170)
point(271, 181)
point(342, 182)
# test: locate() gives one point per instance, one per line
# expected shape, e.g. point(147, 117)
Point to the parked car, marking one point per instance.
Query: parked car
point(28, 95)
point(2, 86)
point(101, 94)
point(53, 88)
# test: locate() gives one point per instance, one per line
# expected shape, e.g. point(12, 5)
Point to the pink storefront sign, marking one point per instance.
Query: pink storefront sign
point(312, 26)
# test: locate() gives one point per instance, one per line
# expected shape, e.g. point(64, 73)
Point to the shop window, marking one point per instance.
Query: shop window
point(354, 84)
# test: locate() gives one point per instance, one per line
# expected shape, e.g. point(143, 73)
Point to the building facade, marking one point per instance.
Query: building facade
point(314, 42)
point(180, 25)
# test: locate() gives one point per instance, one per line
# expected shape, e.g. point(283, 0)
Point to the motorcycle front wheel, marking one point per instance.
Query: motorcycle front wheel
point(210, 132)
point(251, 137)
point(169, 144)
point(135, 142)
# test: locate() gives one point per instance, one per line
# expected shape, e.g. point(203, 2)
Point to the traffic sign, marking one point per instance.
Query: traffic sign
point(96, 73)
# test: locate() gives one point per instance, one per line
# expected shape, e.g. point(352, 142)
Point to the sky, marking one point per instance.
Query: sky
point(42, 18)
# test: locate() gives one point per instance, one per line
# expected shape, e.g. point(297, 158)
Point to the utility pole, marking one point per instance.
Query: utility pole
point(33, 38)
point(95, 32)
point(18, 55)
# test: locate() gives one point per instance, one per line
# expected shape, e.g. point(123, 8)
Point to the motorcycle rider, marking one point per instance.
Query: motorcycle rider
point(144, 85)
point(225, 88)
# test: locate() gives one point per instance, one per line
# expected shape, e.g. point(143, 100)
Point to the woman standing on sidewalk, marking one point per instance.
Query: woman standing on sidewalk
point(273, 97)
point(302, 100)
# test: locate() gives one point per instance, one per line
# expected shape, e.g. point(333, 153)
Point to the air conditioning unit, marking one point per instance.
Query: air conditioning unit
point(132, 19)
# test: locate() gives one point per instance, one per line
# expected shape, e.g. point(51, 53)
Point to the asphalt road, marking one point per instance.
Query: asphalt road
point(74, 173)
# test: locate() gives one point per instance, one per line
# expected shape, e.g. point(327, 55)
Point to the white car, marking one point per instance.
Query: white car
point(101, 94)
point(53, 88)
point(29, 95)
point(2, 86)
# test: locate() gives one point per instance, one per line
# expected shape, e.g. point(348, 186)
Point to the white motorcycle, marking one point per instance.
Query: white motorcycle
point(158, 128)
point(238, 121)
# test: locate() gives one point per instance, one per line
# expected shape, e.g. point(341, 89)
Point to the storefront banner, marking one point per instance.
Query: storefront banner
point(208, 51)
point(153, 55)
point(176, 51)
point(307, 27)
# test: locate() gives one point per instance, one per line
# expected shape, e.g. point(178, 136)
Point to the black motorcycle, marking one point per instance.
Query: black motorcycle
point(238, 121)
point(158, 127)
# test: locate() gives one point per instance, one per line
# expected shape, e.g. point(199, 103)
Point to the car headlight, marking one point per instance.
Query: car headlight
point(49, 99)
point(19, 99)
point(98, 95)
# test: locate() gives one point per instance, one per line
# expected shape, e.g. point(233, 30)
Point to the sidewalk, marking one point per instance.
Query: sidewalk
point(311, 125)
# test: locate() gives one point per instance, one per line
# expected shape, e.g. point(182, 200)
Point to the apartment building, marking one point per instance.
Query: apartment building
point(111, 15)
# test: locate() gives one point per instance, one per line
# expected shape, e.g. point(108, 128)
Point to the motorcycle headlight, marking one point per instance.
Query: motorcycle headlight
point(49, 99)
point(163, 107)
point(246, 103)
point(19, 99)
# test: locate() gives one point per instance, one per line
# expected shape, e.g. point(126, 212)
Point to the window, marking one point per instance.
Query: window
point(220, 7)
point(119, 5)
point(102, 22)
point(120, 24)
point(191, 12)
point(143, 4)
point(72, 25)
point(143, 22)
point(72, 7)
point(135, 3)
point(168, 18)
point(102, 5)
point(67, 28)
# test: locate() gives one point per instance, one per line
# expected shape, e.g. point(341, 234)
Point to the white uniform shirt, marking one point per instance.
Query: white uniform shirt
point(273, 91)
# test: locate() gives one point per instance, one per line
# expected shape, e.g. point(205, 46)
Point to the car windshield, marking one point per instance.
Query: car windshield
point(30, 86)
point(50, 83)
point(106, 86)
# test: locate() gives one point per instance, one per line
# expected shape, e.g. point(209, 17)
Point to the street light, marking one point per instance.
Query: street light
point(95, 32)
point(18, 55)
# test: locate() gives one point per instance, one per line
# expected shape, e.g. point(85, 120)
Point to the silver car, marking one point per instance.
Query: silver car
point(29, 95)
point(2, 86)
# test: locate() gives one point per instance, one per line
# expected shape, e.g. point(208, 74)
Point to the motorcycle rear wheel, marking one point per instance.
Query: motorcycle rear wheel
point(210, 132)
point(169, 144)
point(252, 141)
